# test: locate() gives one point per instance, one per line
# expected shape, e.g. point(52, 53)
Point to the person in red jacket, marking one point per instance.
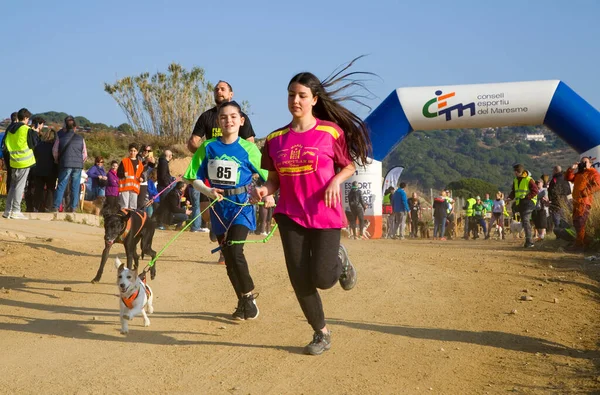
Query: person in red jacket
point(586, 182)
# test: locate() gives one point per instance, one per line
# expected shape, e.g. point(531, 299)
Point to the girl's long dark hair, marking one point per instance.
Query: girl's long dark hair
point(330, 93)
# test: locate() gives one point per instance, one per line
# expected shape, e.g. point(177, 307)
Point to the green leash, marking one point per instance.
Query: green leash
point(153, 261)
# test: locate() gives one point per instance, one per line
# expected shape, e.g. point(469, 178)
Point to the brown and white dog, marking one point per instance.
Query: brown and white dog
point(135, 296)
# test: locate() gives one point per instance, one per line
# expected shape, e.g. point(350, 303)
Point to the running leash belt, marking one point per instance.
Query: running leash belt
point(151, 263)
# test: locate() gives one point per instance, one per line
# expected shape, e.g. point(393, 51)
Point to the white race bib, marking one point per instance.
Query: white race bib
point(223, 172)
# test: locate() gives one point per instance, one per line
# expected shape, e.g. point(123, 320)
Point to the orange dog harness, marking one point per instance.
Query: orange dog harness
point(128, 302)
point(143, 217)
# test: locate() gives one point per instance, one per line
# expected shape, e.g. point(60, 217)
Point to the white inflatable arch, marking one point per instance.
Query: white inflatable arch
point(549, 103)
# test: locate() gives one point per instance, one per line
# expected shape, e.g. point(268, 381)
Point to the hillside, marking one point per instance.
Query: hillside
point(435, 158)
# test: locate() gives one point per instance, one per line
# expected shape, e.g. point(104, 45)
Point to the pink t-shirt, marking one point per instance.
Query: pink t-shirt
point(306, 163)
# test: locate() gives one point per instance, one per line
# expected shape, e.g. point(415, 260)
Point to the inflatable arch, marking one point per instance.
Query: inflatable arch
point(550, 103)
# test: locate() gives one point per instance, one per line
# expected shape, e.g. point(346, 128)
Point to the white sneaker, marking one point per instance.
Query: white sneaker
point(7, 214)
point(17, 215)
point(264, 234)
point(203, 230)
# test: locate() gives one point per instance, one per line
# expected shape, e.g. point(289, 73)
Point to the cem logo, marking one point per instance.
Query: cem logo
point(441, 106)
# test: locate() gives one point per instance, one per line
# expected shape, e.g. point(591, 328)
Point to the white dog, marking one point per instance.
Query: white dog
point(516, 228)
point(366, 234)
point(136, 296)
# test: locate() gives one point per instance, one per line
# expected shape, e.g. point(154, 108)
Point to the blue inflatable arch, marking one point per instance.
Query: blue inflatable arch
point(551, 103)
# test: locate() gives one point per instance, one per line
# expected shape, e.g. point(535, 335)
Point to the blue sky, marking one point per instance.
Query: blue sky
point(57, 55)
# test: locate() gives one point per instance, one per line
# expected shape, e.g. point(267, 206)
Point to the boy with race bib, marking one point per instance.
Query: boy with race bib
point(228, 163)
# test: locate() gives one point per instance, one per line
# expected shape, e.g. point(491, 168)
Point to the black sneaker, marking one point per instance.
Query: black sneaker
point(212, 236)
point(238, 314)
point(250, 308)
point(348, 277)
point(529, 244)
point(320, 343)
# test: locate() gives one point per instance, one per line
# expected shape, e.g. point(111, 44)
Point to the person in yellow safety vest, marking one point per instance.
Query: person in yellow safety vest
point(130, 176)
point(468, 207)
point(20, 142)
point(387, 200)
point(524, 192)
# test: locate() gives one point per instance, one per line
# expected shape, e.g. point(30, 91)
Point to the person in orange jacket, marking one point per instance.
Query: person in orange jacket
point(586, 182)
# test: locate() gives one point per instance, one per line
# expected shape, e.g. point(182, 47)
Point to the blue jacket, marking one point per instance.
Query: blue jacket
point(399, 201)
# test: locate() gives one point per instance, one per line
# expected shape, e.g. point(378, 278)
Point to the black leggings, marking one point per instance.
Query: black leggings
point(235, 261)
point(311, 257)
point(358, 213)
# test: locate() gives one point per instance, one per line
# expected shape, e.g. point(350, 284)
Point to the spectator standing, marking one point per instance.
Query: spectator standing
point(164, 178)
point(112, 187)
point(146, 157)
point(37, 124)
point(5, 154)
point(440, 212)
point(99, 178)
point(389, 210)
point(130, 176)
point(357, 208)
point(45, 173)
point(414, 205)
point(400, 207)
point(540, 214)
point(20, 141)
point(586, 182)
point(558, 192)
point(468, 222)
point(69, 152)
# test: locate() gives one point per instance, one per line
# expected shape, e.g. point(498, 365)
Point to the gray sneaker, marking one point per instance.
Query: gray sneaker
point(320, 343)
point(18, 215)
point(348, 276)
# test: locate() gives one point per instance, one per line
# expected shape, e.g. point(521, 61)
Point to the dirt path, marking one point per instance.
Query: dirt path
point(424, 317)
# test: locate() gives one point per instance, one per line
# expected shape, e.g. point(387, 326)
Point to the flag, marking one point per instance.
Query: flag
point(392, 177)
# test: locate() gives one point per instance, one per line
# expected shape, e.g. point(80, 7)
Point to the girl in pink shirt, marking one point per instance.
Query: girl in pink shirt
point(308, 160)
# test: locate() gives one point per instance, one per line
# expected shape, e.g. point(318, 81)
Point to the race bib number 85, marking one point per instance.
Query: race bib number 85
point(223, 172)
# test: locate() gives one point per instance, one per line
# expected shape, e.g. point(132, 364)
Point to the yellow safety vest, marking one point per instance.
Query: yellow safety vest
point(386, 200)
point(522, 189)
point(21, 156)
point(470, 203)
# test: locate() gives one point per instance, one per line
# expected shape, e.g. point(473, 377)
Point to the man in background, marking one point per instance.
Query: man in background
point(69, 152)
point(401, 208)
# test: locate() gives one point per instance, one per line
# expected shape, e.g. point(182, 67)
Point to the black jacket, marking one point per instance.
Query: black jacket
point(164, 174)
point(44, 161)
point(355, 199)
point(169, 205)
point(558, 189)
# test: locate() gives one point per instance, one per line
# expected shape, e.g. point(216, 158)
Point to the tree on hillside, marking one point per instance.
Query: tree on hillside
point(471, 186)
point(164, 104)
point(125, 128)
